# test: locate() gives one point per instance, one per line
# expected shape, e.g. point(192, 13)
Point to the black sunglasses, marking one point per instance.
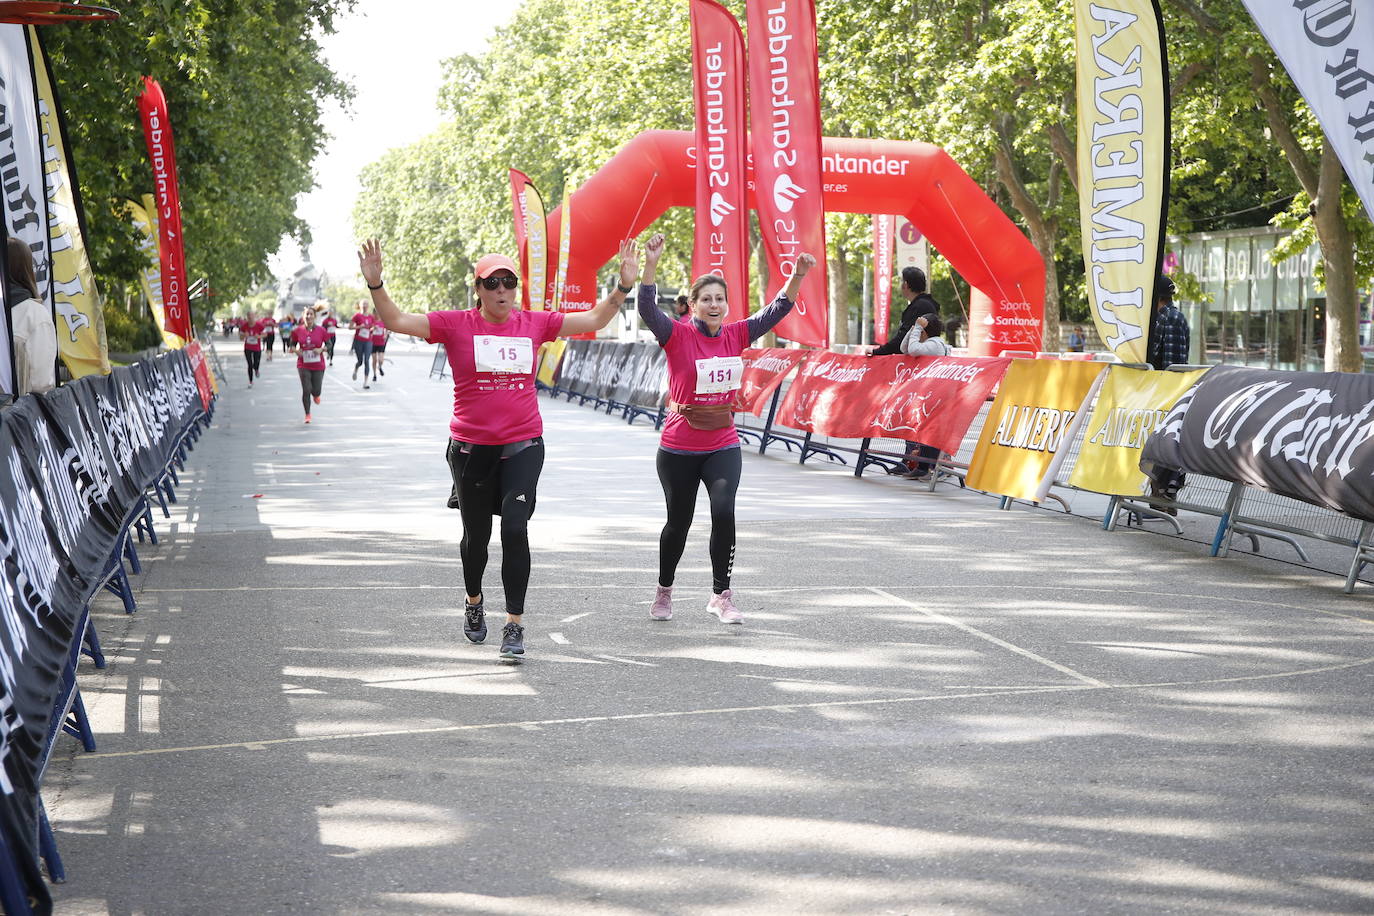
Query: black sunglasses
point(507, 282)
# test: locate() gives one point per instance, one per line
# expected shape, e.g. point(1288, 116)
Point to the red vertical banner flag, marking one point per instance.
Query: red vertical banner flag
point(785, 107)
point(884, 231)
point(157, 132)
point(722, 210)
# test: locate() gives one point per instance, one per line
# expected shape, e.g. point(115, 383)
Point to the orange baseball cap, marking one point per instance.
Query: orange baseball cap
point(491, 263)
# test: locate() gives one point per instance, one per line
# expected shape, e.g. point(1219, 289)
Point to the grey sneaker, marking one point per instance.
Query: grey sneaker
point(474, 621)
point(513, 641)
point(663, 604)
point(724, 608)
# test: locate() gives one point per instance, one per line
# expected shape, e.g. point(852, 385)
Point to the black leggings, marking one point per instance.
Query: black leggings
point(254, 358)
point(680, 476)
point(329, 347)
point(312, 383)
point(509, 493)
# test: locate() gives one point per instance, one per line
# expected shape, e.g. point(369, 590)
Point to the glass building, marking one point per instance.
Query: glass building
point(1260, 314)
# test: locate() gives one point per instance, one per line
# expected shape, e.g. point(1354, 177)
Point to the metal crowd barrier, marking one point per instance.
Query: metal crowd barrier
point(597, 371)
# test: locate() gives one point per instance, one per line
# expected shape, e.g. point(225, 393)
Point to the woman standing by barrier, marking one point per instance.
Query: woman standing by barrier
point(496, 446)
point(309, 339)
point(251, 334)
point(700, 444)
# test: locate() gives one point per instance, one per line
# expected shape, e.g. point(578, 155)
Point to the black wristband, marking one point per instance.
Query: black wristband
point(370, 286)
point(624, 289)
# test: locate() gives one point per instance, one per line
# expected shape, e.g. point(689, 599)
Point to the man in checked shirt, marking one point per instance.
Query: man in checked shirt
point(1168, 346)
point(1170, 342)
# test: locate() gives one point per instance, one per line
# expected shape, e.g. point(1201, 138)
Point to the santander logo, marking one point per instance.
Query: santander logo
point(786, 192)
point(721, 208)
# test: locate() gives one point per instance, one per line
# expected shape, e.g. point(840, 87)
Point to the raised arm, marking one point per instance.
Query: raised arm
point(654, 319)
point(370, 263)
point(766, 318)
point(600, 315)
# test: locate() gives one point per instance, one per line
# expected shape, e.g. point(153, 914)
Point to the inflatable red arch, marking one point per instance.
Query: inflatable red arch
point(656, 170)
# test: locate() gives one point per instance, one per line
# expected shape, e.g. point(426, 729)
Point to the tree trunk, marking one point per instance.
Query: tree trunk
point(839, 301)
point(1338, 252)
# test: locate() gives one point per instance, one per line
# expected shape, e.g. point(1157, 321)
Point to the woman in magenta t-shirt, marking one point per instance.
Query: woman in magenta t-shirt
point(699, 444)
point(250, 332)
point(309, 339)
point(496, 447)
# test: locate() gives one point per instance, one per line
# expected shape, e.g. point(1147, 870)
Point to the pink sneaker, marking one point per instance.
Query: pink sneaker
point(724, 608)
point(663, 604)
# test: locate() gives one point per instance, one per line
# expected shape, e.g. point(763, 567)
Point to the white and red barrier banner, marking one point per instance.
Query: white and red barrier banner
point(1328, 49)
point(927, 399)
point(157, 132)
point(884, 228)
point(764, 370)
point(785, 107)
point(722, 207)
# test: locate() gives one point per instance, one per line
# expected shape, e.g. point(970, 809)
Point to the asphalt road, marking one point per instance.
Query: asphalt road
point(932, 706)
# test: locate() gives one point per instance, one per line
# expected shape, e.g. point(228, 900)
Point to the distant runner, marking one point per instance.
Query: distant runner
point(310, 339)
point(250, 332)
point(361, 323)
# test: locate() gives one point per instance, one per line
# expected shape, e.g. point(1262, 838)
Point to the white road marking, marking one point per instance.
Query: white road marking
point(559, 638)
point(974, 631)
point(785, 708)
point(576, 617)
point(625, 661)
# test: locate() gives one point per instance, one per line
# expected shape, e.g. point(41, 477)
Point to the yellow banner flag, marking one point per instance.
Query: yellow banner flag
point(145, 218)
point(80, 321)
point(1038, 409)
point(1132, 404)
point(537, 243)
point(564, 248)
point(551, 354)
point(1123, 164)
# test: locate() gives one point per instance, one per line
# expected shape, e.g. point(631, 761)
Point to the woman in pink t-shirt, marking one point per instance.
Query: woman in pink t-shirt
point(699, 444)
point(496, 446)
point(309, 339)
point(250, 332)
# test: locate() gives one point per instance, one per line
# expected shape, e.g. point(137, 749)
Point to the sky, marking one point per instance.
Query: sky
point(390, 50)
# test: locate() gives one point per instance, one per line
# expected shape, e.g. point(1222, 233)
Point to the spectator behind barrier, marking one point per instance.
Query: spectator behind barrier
point(919, 302)
point(35, 334)
point(925, 339)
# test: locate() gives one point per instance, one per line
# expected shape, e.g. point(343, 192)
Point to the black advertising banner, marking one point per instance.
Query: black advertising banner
point(74, 464)
point(629, 373)
point(1306, 435)
point(651, 386)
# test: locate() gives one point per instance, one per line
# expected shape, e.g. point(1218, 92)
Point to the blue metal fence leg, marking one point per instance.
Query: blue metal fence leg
point(1224, 526)
point(47, 846)
point(132, 555)
point(1109, 519)
point(768, 424)
point(78, 725)
point(91, 647)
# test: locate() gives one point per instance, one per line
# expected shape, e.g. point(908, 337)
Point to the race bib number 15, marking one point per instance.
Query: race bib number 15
point(719, 374)
point(503, 354)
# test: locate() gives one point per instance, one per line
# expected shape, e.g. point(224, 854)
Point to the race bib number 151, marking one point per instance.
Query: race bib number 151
point(719, 374)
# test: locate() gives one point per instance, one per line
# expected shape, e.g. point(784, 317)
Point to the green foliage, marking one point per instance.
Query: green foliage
point(568, 82)
point(128, 332)
point(245, 83)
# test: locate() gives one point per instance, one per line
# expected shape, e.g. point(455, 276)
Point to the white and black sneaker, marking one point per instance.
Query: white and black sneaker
point(474, 621)
point(513, 641)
